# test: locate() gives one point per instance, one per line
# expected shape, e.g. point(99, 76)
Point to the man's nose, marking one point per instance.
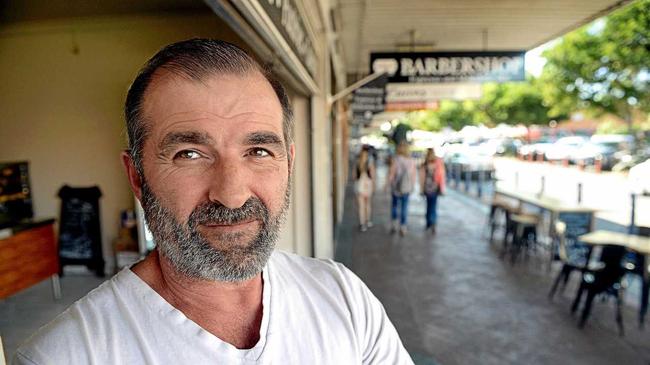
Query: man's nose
point(229, 184)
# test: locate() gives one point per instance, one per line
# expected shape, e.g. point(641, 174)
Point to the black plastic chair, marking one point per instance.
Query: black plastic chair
point(498, 208)
point(606, 280)
point(636, 264)
point(522, 230)
point(573, 255)
point(509, 230)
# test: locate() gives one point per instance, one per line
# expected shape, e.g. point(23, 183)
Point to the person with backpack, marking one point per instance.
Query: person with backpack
point(364, 186)
point(432, 182)
point(401, 179)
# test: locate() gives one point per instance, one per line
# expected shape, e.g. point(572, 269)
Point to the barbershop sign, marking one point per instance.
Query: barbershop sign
point(287, 19)
point(422, 67)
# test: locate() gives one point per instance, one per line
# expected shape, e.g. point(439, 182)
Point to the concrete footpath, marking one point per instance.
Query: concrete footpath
point(455, 301)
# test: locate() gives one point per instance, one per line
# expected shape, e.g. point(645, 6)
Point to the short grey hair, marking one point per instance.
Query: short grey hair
point(194, 59)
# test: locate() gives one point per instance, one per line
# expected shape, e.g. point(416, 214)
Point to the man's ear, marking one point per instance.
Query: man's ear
point(292, 157)
point(132, 174)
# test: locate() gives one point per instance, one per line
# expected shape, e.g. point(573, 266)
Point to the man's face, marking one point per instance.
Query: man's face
point(216, 173)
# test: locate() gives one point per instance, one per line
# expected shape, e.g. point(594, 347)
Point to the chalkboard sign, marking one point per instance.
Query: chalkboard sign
point(79, 230)
point(15, 193)
point(577, 223)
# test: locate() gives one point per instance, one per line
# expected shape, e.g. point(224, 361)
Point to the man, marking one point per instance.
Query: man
point(210, 160)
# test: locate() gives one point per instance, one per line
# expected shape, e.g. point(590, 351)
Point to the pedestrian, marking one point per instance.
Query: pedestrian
point(432, 183)
point(364, 186)
point(401, 179)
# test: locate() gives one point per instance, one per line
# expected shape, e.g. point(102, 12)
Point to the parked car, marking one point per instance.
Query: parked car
point(537, 148)
point(505, 146)
point(564, 148)
point(476, 160)
point(588, 153)
point(620, 141)
point(628, 159)
point(639, 178)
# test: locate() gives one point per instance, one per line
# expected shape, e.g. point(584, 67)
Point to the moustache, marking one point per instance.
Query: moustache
point(213, 213)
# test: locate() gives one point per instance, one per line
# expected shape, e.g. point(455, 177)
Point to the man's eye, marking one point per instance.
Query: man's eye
point(259, 152)
point(187, 155)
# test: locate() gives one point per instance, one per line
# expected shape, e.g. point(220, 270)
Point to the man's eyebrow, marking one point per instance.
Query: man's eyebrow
point(175, 138)
point(263, 138)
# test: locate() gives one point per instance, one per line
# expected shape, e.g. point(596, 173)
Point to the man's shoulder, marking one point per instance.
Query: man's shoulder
point(313, 272)
point(79, 323)
point(292, 261)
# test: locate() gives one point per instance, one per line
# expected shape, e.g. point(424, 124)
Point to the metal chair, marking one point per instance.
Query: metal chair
point(637, 265)
point(523, 233)
point(573, 255)
point(606, 280)
point(497, 208)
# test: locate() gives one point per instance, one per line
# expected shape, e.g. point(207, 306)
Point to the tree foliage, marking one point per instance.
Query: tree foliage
point(515, 103)
point(603, 66)
point(426, 120)
point(510, 103)
point(452, 114)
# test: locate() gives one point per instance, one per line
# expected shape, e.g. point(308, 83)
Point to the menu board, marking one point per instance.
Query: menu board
point(15, 193)
point(79, 229)
point(577, 224)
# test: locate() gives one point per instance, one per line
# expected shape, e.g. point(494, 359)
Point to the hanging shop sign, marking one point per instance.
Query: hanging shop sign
point(287, 20)
point(409, 106)
point(426, 92)
point(423, 67)
point(369, 100)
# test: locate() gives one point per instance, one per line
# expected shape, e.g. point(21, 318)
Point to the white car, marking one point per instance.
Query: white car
point(564, 148)
point(639, 178)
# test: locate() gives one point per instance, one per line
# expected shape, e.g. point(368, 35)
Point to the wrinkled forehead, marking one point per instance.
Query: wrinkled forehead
point(171, 96)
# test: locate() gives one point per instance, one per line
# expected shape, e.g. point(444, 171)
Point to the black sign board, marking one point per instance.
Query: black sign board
point(428, 67)
point(79, 230)
point(15, 194)
point(287, 20)
point(577, 224)
point(369, 100)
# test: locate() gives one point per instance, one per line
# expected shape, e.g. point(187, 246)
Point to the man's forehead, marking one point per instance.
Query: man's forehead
point(171, 98)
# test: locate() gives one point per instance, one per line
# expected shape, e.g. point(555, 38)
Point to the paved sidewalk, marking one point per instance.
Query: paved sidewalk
point(454, 301)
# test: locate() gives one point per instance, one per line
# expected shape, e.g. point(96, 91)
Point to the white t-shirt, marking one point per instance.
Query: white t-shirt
point(314, 312)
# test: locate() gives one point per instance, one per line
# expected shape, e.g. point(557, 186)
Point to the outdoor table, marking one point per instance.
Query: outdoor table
point(550, 204)
point(579, 218)
point(638, 244)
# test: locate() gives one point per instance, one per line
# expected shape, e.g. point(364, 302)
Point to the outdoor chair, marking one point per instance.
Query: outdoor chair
point(523, 233)
point(637, 265)
point(573, 255)
point(508, 226)
point(498, 208)
point(605, 280)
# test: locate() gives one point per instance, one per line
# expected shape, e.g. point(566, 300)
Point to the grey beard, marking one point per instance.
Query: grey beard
point(190, 252)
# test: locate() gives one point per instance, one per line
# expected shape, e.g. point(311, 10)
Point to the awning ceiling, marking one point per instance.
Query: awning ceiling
point(366, 26)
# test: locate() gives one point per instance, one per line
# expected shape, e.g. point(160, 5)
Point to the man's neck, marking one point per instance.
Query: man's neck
point(230, 311)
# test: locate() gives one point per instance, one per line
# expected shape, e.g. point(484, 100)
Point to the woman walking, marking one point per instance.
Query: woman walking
point(364, 186)
point(401, 179)
point(432, 182)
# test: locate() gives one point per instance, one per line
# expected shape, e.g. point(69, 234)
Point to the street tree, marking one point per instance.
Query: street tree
point(457, 114)
point(515, 103)
point(602, 67)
